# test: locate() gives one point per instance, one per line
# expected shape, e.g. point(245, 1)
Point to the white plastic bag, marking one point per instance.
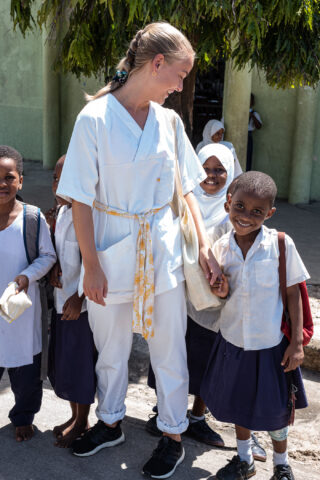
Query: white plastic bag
point(13, 305)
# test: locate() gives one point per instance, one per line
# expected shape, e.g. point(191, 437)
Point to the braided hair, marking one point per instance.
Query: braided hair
point(155, 38)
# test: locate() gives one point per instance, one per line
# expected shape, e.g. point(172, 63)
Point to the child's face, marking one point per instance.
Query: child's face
point(247, 212)
point(217, 137)
point(10, 180)
point(56, 177)
point(216, 176)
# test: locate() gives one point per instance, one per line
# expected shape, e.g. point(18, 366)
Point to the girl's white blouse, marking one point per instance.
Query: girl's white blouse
point(21, 339)
point(112, 160)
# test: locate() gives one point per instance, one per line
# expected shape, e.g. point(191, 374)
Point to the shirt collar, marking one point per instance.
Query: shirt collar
point(262, 239)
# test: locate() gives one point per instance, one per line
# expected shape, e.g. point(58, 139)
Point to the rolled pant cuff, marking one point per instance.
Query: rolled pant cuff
point(21, 420)
point(176, 430)
point(111, 418)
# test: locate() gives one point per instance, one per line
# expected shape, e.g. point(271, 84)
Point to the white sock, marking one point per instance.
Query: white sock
point(193, 418)
point(245, 451)
point(280, 458)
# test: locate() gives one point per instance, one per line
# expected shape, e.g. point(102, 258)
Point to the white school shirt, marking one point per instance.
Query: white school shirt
point(21, 339)
point(68, 253)
point(112, 160)
point(209, 318)
point(251, 317)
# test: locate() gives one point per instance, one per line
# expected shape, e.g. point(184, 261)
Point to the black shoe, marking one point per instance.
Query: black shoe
point(98, 437)
point(165, 459)
point(282, 472)
point(151, 426)
point(258, 452)
point(201, 432)
point(236, 470)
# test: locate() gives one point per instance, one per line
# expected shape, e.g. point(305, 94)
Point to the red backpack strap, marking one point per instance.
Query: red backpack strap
point(282, 269)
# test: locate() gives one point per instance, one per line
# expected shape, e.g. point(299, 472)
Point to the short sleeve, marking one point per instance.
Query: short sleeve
point(296, 271)
point(191, 170)
point(80, 170)
point(256, 114)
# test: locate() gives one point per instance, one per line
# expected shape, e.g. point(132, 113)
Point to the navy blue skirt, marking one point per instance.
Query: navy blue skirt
point(199, 342)
point(72, 359)
point(249, 388)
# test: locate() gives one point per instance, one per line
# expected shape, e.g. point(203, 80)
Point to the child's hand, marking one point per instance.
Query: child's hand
point(72, 308)
point(23, 283)
point(221, 287)
point(209, 264)
point(55, 274)
point(51, 216)
point(293, 357)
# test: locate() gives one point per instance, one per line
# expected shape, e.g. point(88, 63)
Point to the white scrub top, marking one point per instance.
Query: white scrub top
point(21, 339)
point(112, 160)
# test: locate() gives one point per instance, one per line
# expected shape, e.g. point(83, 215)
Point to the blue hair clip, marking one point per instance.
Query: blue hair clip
point(121, 76)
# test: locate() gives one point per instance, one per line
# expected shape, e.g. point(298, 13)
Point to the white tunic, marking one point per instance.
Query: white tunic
point(251, 317)
point(112, 160)
point(68, 253)
point(21, 339)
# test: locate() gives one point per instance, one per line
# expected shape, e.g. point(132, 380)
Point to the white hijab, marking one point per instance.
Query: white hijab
point(212, 206)
point(211, 127)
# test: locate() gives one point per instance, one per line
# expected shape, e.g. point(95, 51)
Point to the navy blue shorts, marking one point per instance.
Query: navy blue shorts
point(72, 359)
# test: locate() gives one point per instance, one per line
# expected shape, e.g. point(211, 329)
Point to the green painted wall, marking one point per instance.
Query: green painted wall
point(21, 88)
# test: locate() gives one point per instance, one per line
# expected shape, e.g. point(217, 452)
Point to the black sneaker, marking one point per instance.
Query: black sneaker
point(201, 432)
point(282, 472)
point(258, 452)
point(98, 437)
point(151, 426)
point(236, 470)
point(165, 459)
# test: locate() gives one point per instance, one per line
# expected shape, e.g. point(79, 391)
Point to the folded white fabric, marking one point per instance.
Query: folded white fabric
point(13, 305)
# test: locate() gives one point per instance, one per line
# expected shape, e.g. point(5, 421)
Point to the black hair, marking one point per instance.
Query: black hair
point(9, 152)
point(256, 183)
point(231, 186)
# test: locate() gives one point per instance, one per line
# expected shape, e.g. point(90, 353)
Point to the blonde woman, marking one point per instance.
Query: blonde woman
point(119, 172)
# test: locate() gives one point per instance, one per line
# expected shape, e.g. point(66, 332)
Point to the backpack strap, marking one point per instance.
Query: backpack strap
point(31, 231)
point(282, 268)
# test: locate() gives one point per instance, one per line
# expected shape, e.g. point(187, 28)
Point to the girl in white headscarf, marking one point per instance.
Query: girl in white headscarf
point(213, 133)
point(218, 163)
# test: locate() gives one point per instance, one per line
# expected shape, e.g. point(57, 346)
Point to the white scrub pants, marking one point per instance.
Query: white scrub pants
point(112, 331)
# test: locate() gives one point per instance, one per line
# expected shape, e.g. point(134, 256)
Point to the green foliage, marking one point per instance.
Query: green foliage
point(281, 37)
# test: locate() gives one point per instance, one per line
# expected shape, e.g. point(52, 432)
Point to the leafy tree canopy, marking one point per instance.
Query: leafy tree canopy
point(281, 37)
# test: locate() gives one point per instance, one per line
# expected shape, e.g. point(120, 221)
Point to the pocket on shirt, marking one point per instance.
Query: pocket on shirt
point(71, 253)
point(266, 272)
point(118, 263)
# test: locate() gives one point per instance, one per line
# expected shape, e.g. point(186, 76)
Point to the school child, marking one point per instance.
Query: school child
point(246, 379)
point(72, 351)
point(21, 341)
point(51, 214)
point(217, 161)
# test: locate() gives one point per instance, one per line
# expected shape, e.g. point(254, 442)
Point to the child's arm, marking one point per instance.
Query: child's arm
point(293, 356)
point(42, 264)
point(55, 274)
point(221, 287)
point(72, 308)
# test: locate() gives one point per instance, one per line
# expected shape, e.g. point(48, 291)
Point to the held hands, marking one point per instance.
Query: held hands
point(221, 287)
point(72, 308)
point(293, 357)
point(55, 274)
point(209, 264)
point(95, 285)
point(23, 283)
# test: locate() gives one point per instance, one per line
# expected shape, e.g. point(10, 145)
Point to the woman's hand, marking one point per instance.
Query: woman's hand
point(95, 285)
point(209, 264)
point(23, 283)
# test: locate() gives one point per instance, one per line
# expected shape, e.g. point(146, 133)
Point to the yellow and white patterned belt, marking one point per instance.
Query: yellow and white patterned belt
point(143, 297)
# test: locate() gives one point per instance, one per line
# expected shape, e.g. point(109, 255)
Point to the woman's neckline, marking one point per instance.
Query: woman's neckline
point(129, 114)
point(13, 222)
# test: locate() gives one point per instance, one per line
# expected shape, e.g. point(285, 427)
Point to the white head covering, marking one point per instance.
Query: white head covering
point(212, 206)
point(211, 127)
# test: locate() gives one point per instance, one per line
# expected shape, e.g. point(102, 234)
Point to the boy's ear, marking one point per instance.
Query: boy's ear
point(227, 203)
point(271, 212)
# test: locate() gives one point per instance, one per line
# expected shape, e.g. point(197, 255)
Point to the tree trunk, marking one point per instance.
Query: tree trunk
point(182, 102)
